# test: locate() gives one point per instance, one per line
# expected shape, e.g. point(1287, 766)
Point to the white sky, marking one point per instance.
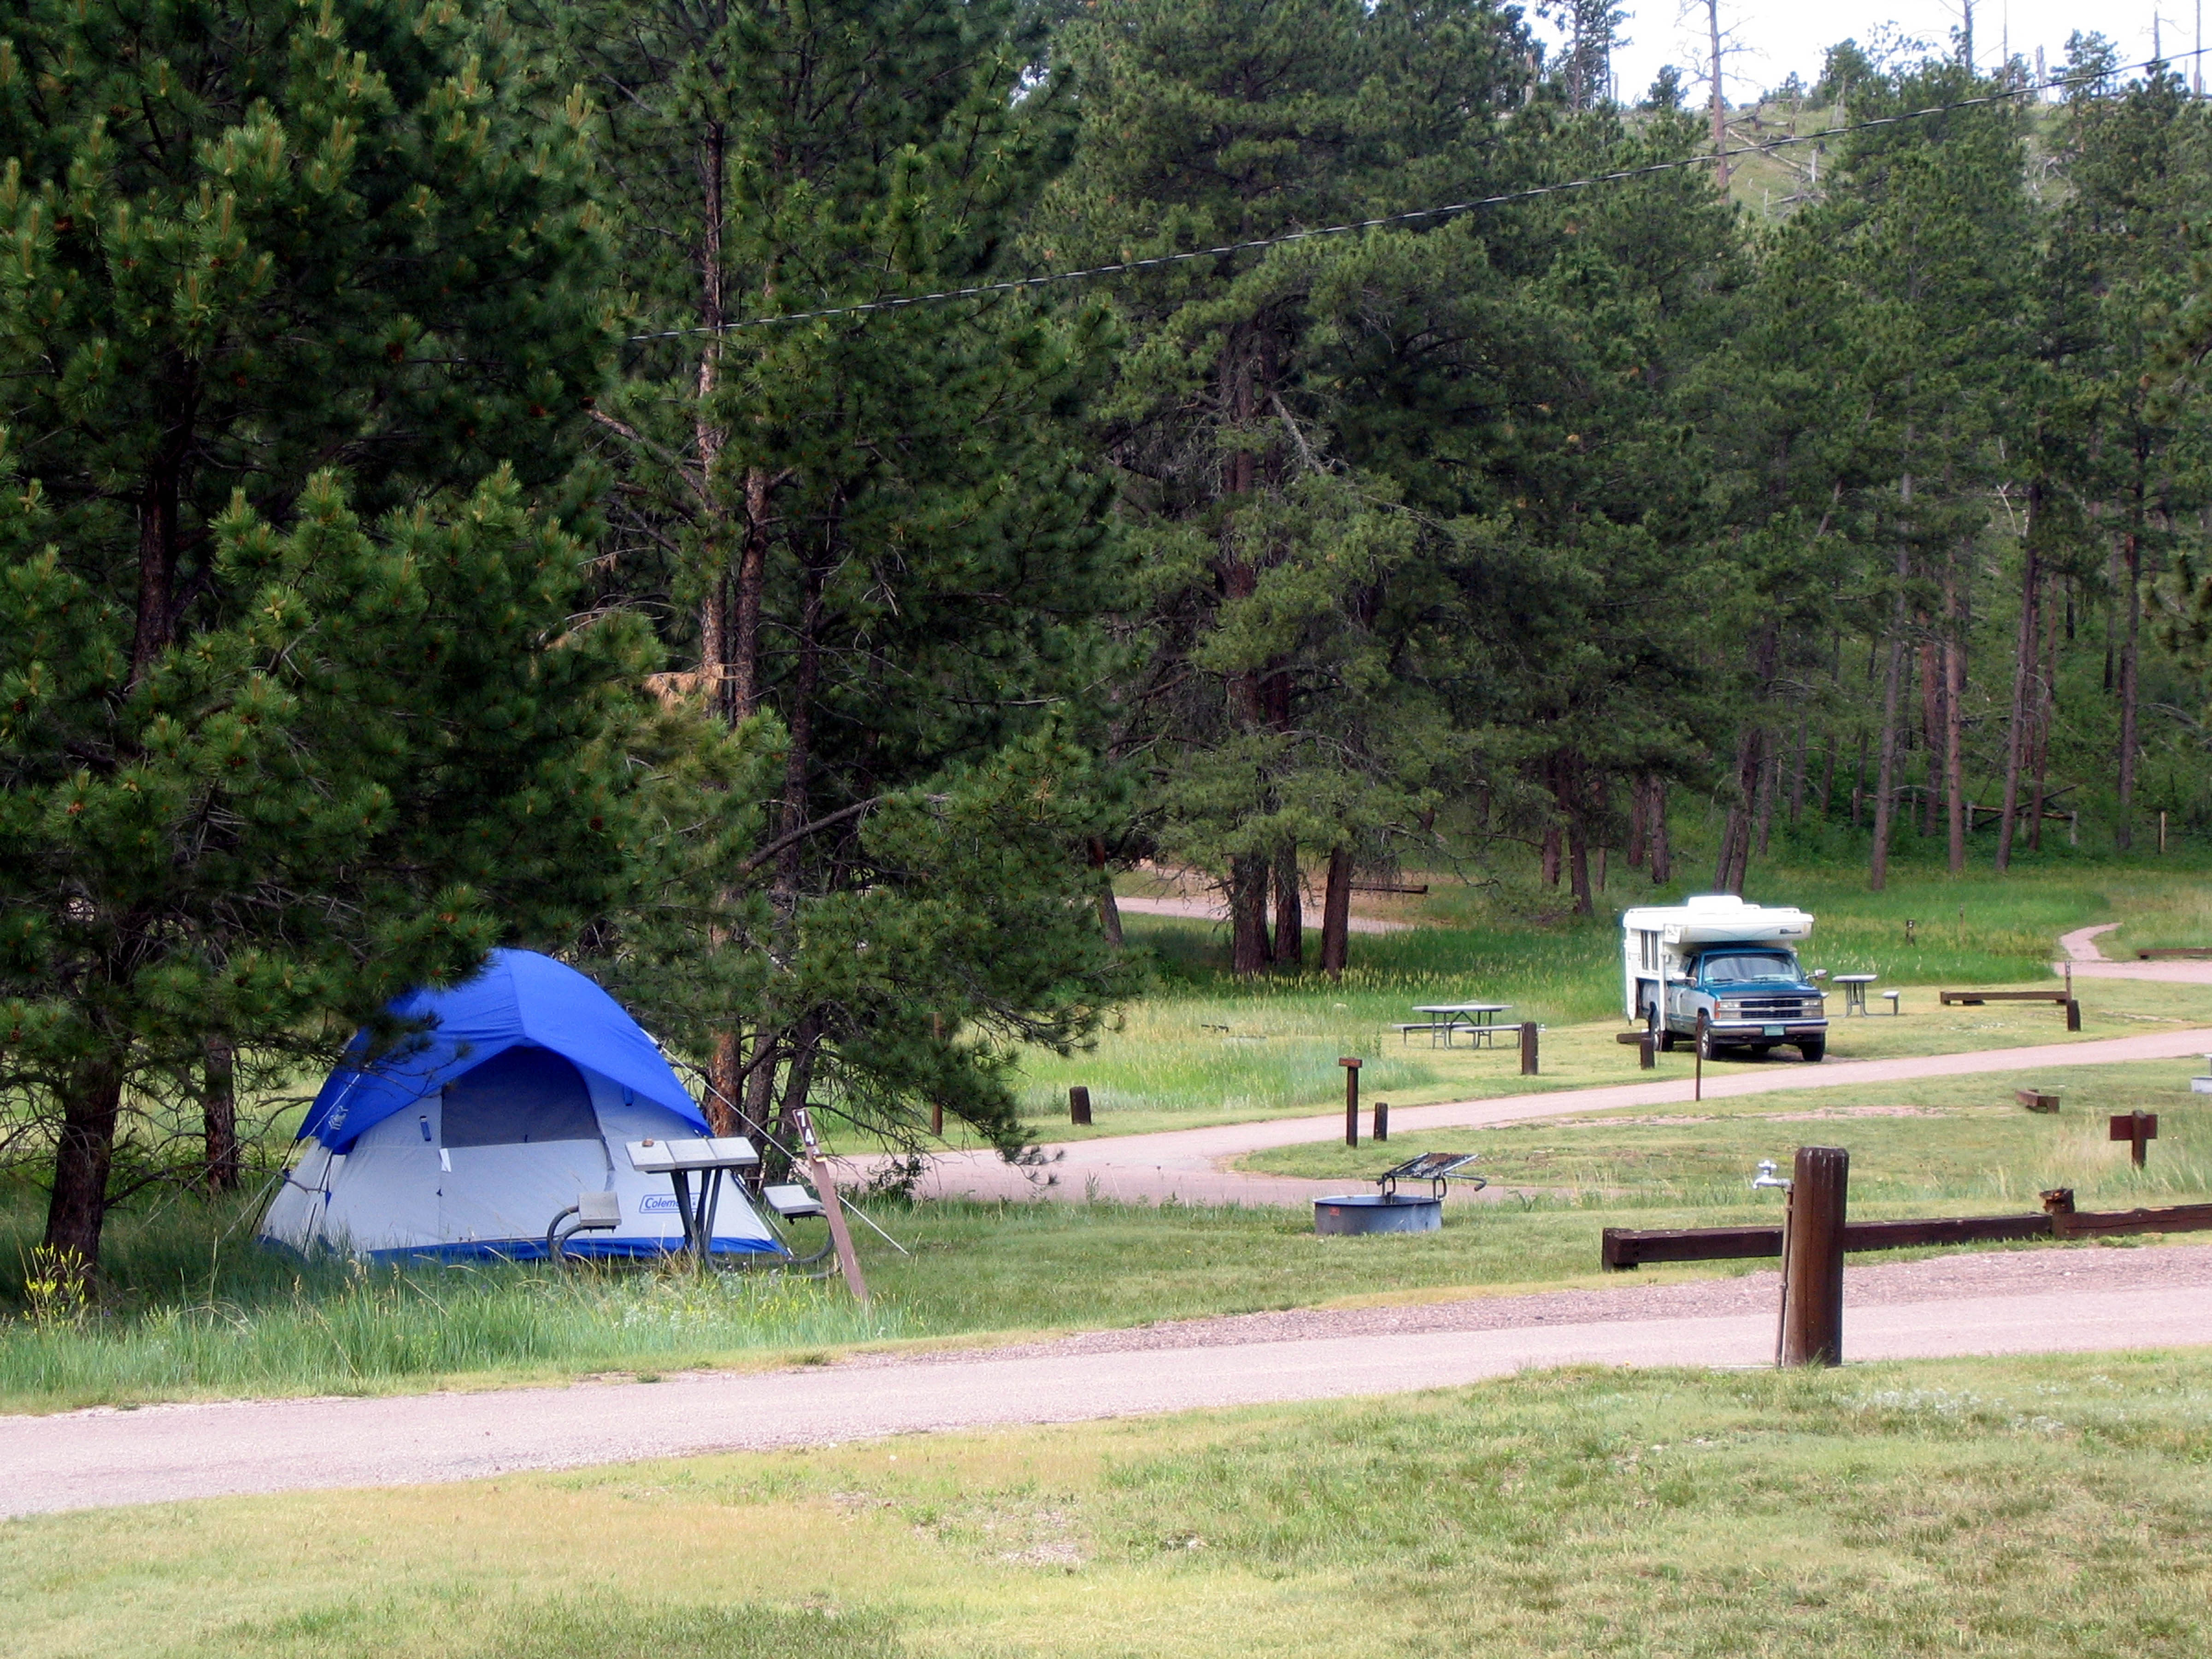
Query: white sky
point(1776, 36)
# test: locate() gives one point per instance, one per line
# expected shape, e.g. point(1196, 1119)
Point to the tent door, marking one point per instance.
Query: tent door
point(511, 1193)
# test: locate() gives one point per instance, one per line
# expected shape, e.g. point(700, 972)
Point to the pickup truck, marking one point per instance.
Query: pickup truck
point(1724, 975)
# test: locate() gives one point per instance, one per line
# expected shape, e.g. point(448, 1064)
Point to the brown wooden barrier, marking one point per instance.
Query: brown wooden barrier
point(1624, 1247)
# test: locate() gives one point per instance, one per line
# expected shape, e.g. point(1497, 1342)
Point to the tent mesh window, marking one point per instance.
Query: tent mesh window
point(522, 1096)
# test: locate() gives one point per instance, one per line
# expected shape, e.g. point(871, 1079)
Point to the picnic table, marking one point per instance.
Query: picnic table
point(1855, 987)
point(1445, 1019)
point(710, 1157)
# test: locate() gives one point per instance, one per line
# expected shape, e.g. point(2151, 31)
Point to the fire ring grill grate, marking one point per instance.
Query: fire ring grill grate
point(1390, 1211)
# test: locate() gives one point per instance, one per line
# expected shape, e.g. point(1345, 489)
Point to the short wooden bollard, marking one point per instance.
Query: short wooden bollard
point(1647, 1056)
point(1351, 1100)
point(1079, 1104)
point(1812, 1258)
point(2141, 1127)
point(2073, 1015)
point(1529, 1048)
point(1381, 1120)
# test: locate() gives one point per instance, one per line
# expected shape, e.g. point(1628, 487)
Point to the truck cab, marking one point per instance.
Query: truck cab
point(1724, 975)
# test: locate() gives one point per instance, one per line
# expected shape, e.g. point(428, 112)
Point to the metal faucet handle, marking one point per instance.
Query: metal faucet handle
point(1767, 1177)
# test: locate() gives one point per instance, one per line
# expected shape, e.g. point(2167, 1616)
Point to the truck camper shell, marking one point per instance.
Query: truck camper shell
point(1662, 945)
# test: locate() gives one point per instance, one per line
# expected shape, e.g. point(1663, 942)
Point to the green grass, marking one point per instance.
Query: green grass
point(1963, 1141)
point(183, 1317)
point(1203, 1047)
point(2053, 1505)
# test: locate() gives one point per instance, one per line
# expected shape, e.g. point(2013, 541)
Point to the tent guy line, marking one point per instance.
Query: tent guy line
point(1020, 284)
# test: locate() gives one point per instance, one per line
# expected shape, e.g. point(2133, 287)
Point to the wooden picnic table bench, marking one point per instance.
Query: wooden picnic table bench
point(1976, 998)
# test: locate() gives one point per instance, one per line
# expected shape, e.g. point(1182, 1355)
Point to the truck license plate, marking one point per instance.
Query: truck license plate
point(1775, 1030)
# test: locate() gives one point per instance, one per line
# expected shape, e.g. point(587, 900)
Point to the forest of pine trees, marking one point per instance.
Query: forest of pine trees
point(470, 478)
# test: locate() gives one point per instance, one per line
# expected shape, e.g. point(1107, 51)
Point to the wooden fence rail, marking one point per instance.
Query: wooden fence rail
point(1624, 1247)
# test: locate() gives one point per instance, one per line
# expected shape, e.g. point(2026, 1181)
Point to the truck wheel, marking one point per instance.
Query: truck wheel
point(1662, 1040)
point(1815, 1050)
point(1704, 1039)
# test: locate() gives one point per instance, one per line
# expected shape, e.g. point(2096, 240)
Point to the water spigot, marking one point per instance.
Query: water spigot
point(1767, 1177)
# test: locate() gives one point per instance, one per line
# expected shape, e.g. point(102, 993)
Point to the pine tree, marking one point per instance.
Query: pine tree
point(890, 545)
point(1268, 703)
point(264, 764)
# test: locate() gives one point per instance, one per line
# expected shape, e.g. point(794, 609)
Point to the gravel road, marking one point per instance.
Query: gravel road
point(1188, 1163)
point(2048, 1300)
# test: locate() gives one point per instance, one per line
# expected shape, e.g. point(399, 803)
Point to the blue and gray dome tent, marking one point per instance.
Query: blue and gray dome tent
point(470, 1138)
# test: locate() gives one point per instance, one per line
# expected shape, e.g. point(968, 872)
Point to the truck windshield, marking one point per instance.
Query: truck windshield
point(1739, 968)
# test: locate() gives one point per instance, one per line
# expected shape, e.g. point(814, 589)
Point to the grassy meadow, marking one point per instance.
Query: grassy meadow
point(1200, 1048)
point(2055, 1505)
point(189, 1313)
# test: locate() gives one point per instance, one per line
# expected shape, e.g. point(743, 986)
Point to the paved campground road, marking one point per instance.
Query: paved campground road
point(2054, 1300)
point(2044, 1300)
point(1188, 1164)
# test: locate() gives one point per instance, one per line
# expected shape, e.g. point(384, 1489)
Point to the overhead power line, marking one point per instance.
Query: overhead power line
point(1019, 284)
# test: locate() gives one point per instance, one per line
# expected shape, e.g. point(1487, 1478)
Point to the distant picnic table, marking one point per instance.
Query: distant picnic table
point(1477, 1020)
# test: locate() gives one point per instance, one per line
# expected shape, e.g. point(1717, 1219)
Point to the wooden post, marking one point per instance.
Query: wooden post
point(2161, 833)
point(1078, 1105)
point(1351, 1100)
point(2073, 1015)
point(1697, 1067)
point(1528, 1049)
point(1381, 1121)
point(1646, 1052)
point(2139, 1127)
point(832, 1210)
point(1813, 1265)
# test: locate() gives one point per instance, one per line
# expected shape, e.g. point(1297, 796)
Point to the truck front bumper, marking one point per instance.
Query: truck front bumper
point(1773, 1031)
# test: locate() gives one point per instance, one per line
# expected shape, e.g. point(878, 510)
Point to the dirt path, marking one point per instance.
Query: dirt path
point(2086, 960)
point(1188, 1163)
point(2049, 1300)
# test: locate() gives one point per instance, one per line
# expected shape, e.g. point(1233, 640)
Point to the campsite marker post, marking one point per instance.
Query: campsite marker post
point(832, 1210)
point(2139, 1127)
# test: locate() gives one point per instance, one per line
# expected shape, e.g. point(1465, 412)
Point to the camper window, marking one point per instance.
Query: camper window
point(522, 1095)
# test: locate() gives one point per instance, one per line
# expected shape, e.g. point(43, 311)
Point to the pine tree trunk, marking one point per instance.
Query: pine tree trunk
point(157, 552)
point(1336, 913)
point(1634, 858)
point(797, 1079)
point(1797, 771)
point(84, 1151)
point(1955, 726)
point(219, 1116)
point(2046, 702)
point(725, 1084)
point(1931, 729)
point(1110, 912)
point(1290, 911)
point(2018, 736)
point(1247, 914)
point(1893, 688)
point(744, 668)
point(1719, 104)
point(2124, 835)
point(1571, 777)
point(1770, 783)
point(1552, 856)
point(1654, 830)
